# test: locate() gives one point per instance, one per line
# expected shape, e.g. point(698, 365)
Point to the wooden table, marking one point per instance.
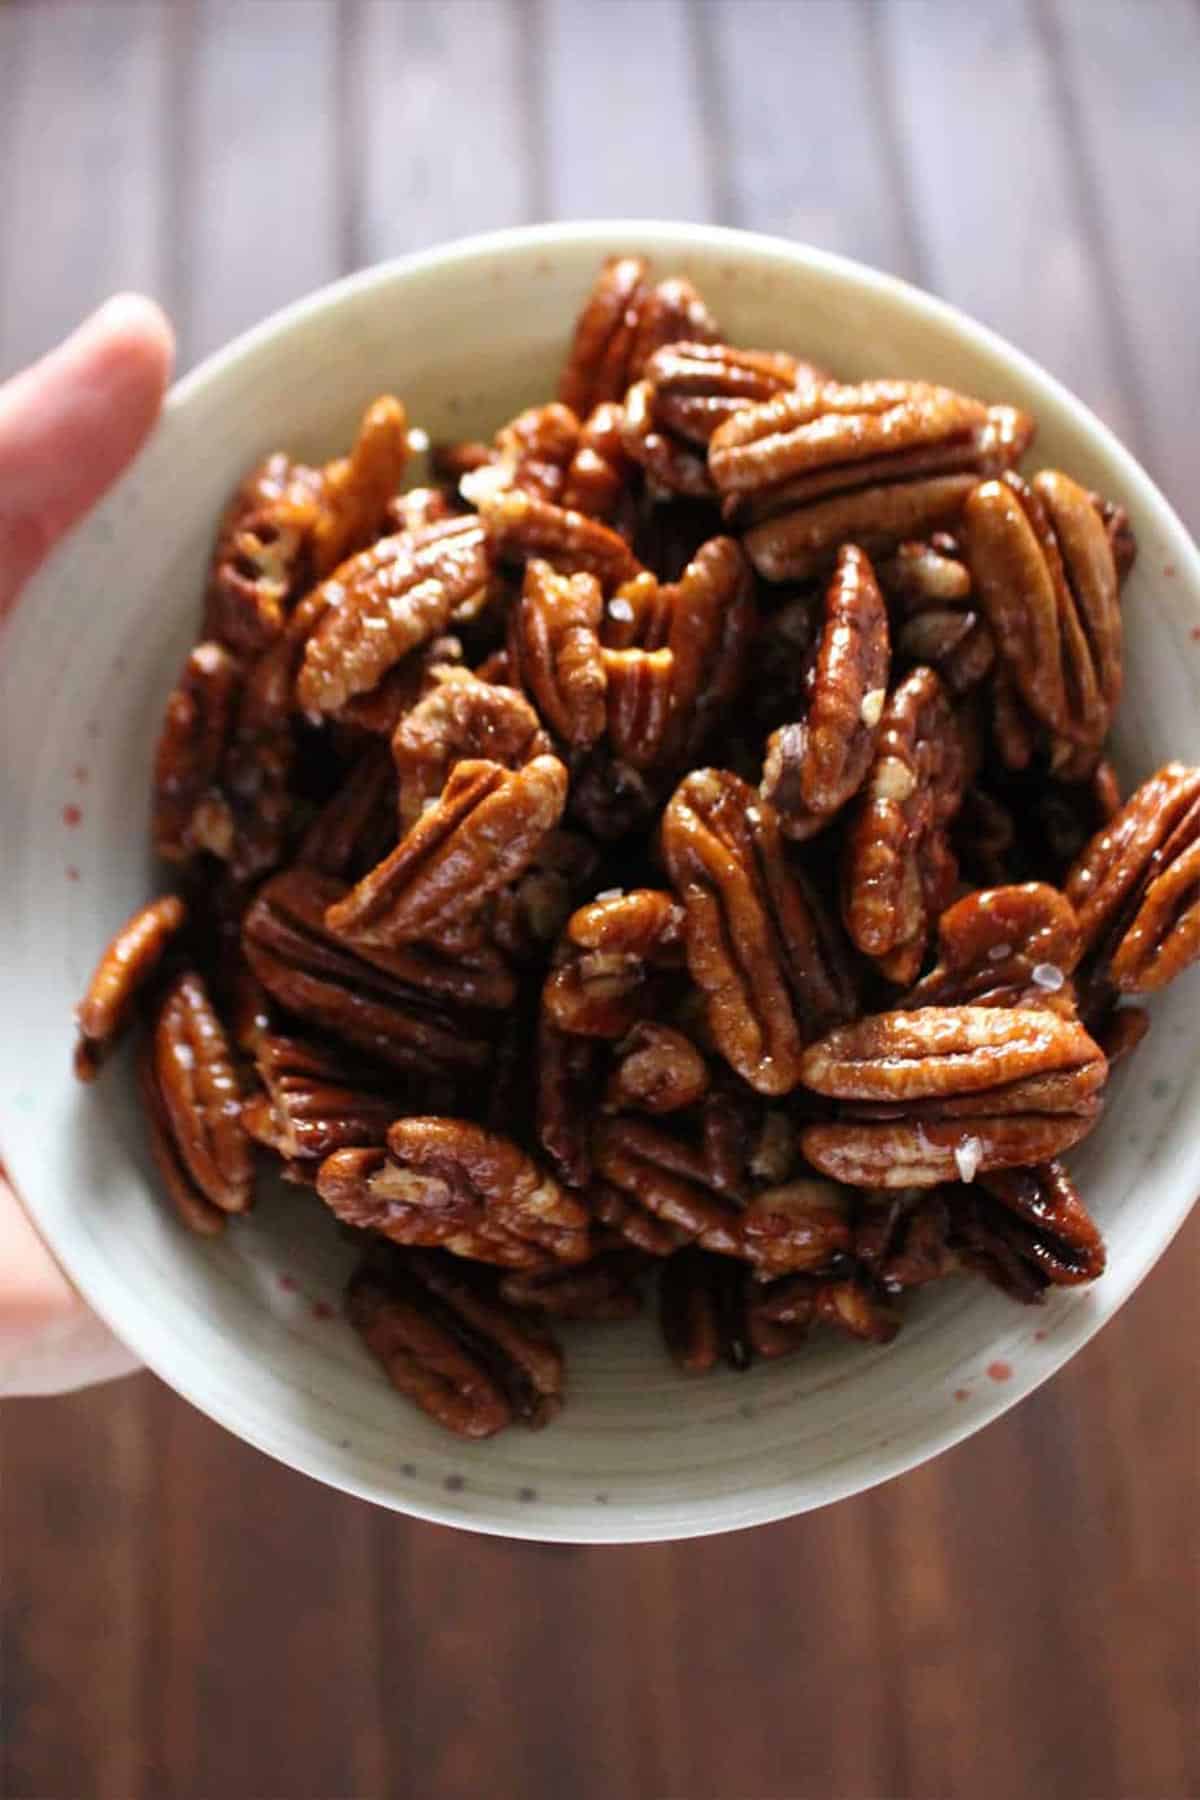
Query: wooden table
point(185, 1618)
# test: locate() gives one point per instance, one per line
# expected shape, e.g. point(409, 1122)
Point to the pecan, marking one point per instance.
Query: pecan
point(460, 717)
point(355, 489)
point(658, 1070)
point(687, 391)
point(450, 1183)
point(566, 1075)
point(263, 556)
point(803, 1224)
point(622, 323)
point(129, 960)
point(801, 544)
point(554, 651)
point(385, 602)
point(899, 872)
point(814, 766)
point(1004, 946)
point(190, 1202)
point(1136, 885)
point(598, 477)
point(452, 1347)
point(1121, 537)
point(417, 508)
point(481, 835)
point(1043, 568)
point(930, 589)
point(317, 1100)
point(845, 1302)
point(1119, 1031)
point(381, 710)
point(604, 979)
point(196, 1108)
point(756, 943)
point(656, 1174)
point(604, 1288)
point(391, 1004)
point(702, 1311)
point(521, 527)
point(902, 1238)
point(710, 613)
point(357, 824)
point(532, 452)
point(1026, 1230)
point(190, 812)
point(639, 688)
point(947, 1091)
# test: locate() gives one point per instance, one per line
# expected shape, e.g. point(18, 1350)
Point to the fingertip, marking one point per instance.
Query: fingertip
point(133, 331)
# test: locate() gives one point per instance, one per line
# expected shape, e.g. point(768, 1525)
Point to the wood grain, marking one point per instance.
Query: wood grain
point(183, 1618)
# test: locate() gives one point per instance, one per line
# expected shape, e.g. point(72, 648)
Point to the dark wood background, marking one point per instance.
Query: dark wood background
point(185, 1618)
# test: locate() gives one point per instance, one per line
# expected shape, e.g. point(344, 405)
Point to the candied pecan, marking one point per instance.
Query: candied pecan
point(554, 651)
point(193, 1076)
point(1119, 1031)
point(656, 1174)
point(263, 555)
point(317, 1099)
point(357, 824)
point(814, 766)
point(452, 1347)
point(943, 1092)
point(803, 1224)
point(756, 943)
point(925, 576)
point(702, 1311)
point(355, 489)
point(566, 1077)
point(1004, 946)
point(1136, 885)
point(460, 717)
point(479, 836)
point(381, 710)
point(604, 1288)
point(532, 452)
point(1121, 537)
point(687, 391)
point(528, 915)
point(191, 1203)
point(129, 960)
point(598, 477)
point(451, 1183)
point(639, 687)
point(521, 527)
point(603, 981)
point(1055, 1231)
point(1043, 568)
point(845, 1302)
point(710, 619)
point(385, 602)
point(898, 870)
point(658, 1070)
point(393, 1004)
point(799, 545)
point(622, 323)
point(930, 587)
point(190, 812)
point(902, 1238)
point(417, 508)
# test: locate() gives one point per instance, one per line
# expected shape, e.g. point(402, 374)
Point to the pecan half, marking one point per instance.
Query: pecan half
point(521, 527)
point(1043, 569)
point(452, 1347)
point(658, 1070)
point(898, 869)
point(902, 1238)
point(814, 766)
point(702, 1306)
point(317, 1099)
point(403, 1007)
point(846, 1302)
point(1026, 1230)
point(687, 391)
point(355, 489)
point(554, 651)
point(656, 1174)
point(533, 452)
point(602, 1289)
point(450, 1183)
point(566, 1080)
point(357, 824)
point(1004, 946)
point(598, 477)
point(262, 560)
point(190, 812)
point(622, 323)
point(460, 718)
point(480, 836)
point(1136, 885)
point(385, 602)
point(639, 688)
point(198, 1104)
point(929, 588)
point(803, 1224)
point(944, 1092)
point(130, 959)
point(756, 943)
point(612, 950)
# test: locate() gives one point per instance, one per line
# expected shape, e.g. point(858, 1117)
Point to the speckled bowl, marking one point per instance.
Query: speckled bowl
point(248, 1329)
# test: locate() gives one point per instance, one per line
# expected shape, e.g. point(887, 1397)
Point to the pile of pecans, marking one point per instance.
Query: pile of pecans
point(678, 836)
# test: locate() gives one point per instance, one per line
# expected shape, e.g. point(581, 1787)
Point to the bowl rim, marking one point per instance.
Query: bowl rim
point(592, 1525)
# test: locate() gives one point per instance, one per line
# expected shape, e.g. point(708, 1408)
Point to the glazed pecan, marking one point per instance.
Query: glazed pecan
point(533, 452)
point(1004, 946)
point(757, 945)
point(656, 1174)
point(263, 556)
point(381, 710)
point(1043, 569)
point(944, 1092)
point(566, 1081)
point(130, 959)
point(874, 464)
point(554, 651)
point(1026, 1230)
point(527, 916)
point(357, 824)
point(929, 588)
point(702, 1311)
point(639, 688)
point(602, 1289)
point(844, 1301)
point(902, 1238)
point(419, 507)
point(1119, 1030)
point(658, 1070)
point(477, 838)
point(898, 869)
point(318, 1100)
point(622, 323)
point(803, 1224)
point(1136, 885)
point(190, 812)
point(814, 766)
point(604, 980)
point(521, 527)
point(404, 1007)
point(598, 477)
point(384, 603)
point(198, 1102)
point(193, 1206)
point(446, 1182)
point(356, 489)
point(452, 1347)
point(460, 718)
point(686, 392)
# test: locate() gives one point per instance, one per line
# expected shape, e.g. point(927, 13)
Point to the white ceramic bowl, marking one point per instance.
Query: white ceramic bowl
point(248, 1329)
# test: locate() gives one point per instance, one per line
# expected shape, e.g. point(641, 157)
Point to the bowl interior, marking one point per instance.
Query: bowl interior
point(248, 1329)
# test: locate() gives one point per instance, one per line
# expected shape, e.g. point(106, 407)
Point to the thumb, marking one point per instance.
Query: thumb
point(71, 423)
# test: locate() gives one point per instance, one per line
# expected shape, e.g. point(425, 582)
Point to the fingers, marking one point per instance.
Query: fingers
point(71, 423)
point(50, 1341)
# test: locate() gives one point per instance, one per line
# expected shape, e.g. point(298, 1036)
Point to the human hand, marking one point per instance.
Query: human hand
point(69, 426)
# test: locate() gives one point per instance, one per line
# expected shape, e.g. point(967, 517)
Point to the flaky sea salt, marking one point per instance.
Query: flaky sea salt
point(620, 609)
point(418, 440)
point(871, 710)
point(968, 1155)
point(610, 894)
point(1048, 976)
point(998, 952)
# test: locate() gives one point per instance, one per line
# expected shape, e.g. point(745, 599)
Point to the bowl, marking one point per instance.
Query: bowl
point(249, 1328)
